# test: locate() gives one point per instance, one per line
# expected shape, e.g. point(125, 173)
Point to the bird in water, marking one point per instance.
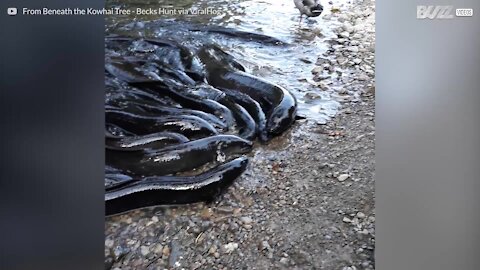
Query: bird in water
point(311, 8)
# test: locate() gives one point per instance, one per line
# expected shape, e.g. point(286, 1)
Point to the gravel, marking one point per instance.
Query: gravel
point(305, 202)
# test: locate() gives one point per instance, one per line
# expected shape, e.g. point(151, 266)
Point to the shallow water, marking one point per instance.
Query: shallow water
point(289, 66)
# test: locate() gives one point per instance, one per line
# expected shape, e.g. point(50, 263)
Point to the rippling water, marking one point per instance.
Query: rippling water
point(289, 66)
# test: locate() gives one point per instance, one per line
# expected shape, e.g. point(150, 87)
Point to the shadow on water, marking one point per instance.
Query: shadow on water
point(289, 66)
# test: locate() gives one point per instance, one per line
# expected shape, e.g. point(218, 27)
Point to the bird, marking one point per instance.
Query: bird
point(311, 8)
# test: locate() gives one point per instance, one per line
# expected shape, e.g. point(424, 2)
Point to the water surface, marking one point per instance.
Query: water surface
point(289, 66)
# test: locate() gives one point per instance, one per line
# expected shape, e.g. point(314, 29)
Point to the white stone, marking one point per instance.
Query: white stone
point(343, 177)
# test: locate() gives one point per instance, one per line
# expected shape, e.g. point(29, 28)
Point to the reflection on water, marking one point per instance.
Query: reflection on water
point(289, 66)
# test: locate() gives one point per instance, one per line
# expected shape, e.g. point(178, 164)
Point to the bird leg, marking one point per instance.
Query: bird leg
point(300, 22)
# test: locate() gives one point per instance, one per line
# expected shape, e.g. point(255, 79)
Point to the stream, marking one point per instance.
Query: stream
point(288, 64)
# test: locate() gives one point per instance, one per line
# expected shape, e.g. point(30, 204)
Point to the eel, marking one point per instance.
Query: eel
point(150, 141)
point(161, 190)
point(115, 178)
point(253, 108)
point(142, 108)
point(188, 125)
point(230, 32)
point(244, 122)
point(125, 71)
point(279, 105)
point(179, 157)
point(113, 131)
point(178, 93)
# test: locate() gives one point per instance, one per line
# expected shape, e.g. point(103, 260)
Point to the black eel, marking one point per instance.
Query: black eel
point(146, 109)
point(279, 105)
point(253, 108)
point(179, 93)
point(115, 178)
point(150, 141)
point(179, 157)
point(190, 126)
point(244, 122)
point(160, 190)
point(230, 32)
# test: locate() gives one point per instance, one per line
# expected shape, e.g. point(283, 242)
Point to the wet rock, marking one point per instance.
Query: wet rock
point(357, 61)
point(312, 96)
point(345, 34)
point(353, 49)
point(317, 70)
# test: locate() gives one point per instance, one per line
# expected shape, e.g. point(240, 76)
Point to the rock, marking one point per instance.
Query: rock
point(206, 213)
point(109, 243)
point(212, 249)
point(284, 261)
point(230, 247)
point(354, 43)
point(360, 215)
point(119, 252)
point(317, 70)
point(166, 251)
point(348, 27)
point(246, 220)
point(264, 245)
point(312, 96)
point(357, 61)
point(363, 77)
point(158, 249)
point(353, 49)
point(342, 61)
point(344, 34)
point(343, 177)
point(347, 220)
point(144, 250)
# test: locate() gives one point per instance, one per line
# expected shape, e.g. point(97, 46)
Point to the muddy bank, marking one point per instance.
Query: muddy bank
point(305, 202)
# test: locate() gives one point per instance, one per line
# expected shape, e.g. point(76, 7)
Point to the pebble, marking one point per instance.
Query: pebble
point(246, 220)
point(348, 27)
point(357, 61)
point(166, 251)
point(109, 243)
point(213, 249)
point(158, 249)
point(230, 247)
point(360, 215)
point(317, 70)
point(343, 177)
point(345, 34)
point(312, 95)
point(284, 261)
point(353, 49)
point(144, 250)
point(347, 220)
point(265, 245)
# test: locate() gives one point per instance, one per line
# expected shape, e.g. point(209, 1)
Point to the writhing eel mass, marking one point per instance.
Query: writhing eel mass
point(174, 111)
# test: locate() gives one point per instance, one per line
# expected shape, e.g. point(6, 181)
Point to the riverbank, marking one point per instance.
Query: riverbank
point(307, 198)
